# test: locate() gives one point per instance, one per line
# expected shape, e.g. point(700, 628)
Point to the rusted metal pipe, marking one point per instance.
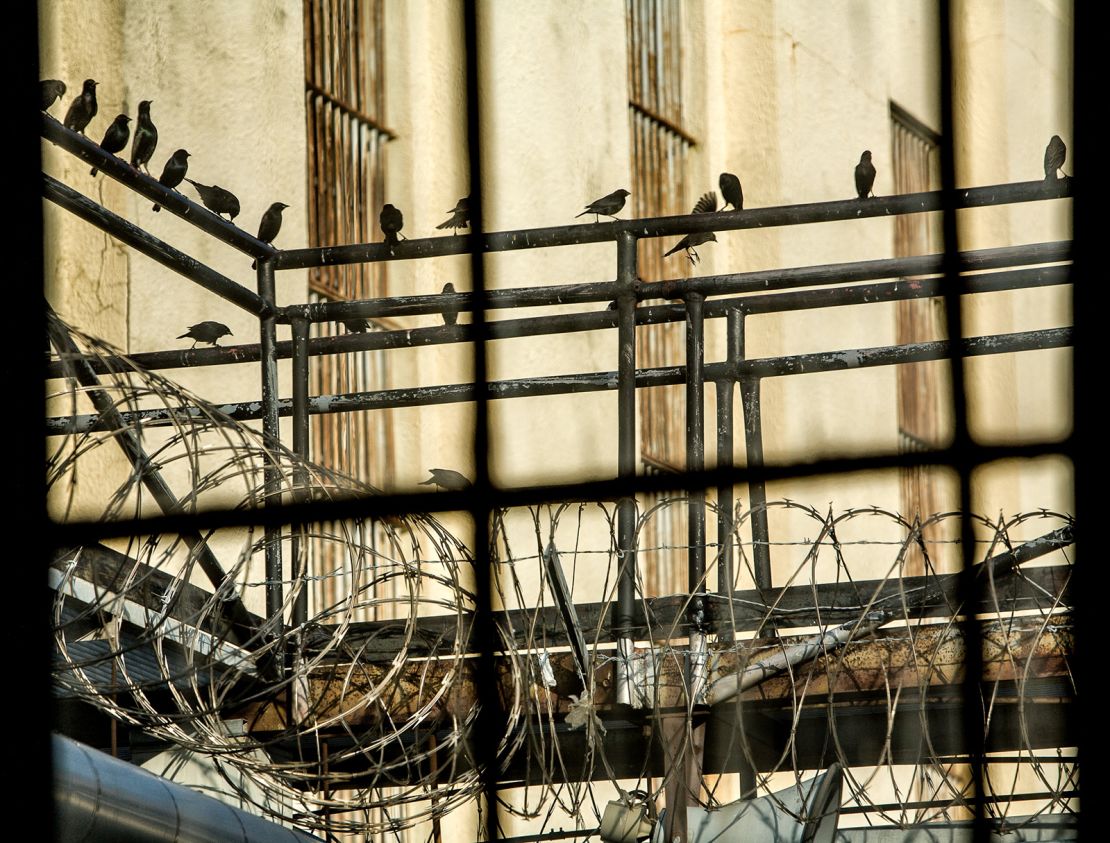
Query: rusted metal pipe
point(728, 687)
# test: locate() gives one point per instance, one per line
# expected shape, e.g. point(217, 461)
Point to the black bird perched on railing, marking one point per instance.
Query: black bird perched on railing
point(608, 205)
point(450, 314)
point(207, 332)
point(82, 109)
point(115, 139)
point(1054, 155)
point(174, 172)
point(146, 138)
point(391, 220)
point(217, 199)
point(52, 89)
point(460, 215)
point(356, 325)
point(445, 478)
point(271, 222)
point(731, 191)
point(270, 226)
point(865, 175)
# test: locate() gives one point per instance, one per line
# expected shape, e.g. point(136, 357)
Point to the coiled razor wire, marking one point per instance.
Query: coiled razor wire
point(359, 720)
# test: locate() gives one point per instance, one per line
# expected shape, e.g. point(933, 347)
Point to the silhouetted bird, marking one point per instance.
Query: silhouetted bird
point(146, 138)
point(445, 478)
point(392, 221)
point(115, 139)
point(206, 332)
point(731, 192)
point(52, 89)
point(607, 205)
point(707, 204)
point(270, 226)
point(271, 222)
point(1054, 156)
point(450, 312)
point(216, 199)
point(690, 241)
point(865, 175)
point(82, 109)
point(357, 325)
point(460, 215)
point(174, 172)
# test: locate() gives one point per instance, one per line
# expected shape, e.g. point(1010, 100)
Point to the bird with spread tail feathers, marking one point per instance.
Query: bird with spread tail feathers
point(460, 215)
point(707, 204)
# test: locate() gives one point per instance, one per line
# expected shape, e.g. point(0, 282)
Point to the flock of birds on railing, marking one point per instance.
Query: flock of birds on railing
point(221, 201)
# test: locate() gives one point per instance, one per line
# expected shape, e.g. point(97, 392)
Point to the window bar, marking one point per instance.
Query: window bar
point(963, 456)
point(488, 720)
point(1087, 396)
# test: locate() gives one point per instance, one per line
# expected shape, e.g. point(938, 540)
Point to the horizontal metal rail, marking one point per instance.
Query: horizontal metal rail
point(662, 483)
point(158, 250)
point(890, 291)
point(760, 281)
point(602, 232)
point(798, 364)
point(171, 200)
point(796, 606)
point(849, 209)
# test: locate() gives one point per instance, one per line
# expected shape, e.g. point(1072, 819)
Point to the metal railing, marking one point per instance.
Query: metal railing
point(738, 296)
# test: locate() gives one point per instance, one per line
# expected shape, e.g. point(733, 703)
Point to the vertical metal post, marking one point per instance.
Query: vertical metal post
point(757, 489)
point(489, 720)
point(272, 432)
point(683, 741)
point(695, 462)
point(298, 543)
point(626, 462)
point(725, 500)
point(963, 446)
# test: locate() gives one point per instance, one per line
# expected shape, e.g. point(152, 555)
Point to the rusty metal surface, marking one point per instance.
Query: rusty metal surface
point(924, 658)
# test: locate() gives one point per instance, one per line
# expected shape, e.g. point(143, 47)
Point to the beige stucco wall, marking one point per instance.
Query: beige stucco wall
point(777, 92)
point(224, 81)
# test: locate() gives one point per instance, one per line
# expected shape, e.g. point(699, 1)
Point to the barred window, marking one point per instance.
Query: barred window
point(345, 107)
point(660, 148)
point(923, 412)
